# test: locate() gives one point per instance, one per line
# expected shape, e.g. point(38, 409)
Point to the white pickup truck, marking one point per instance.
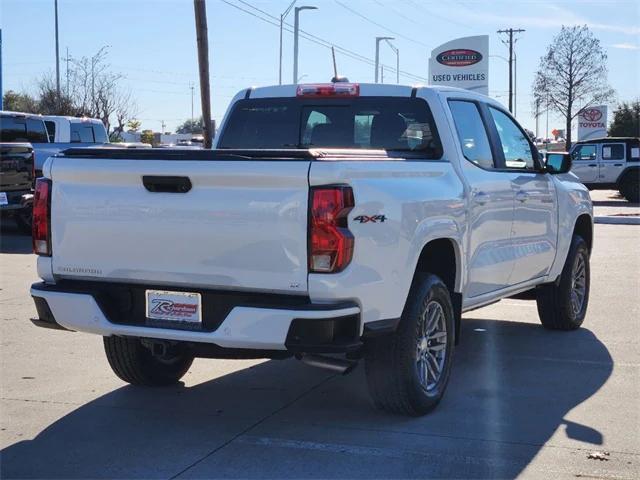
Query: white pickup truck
point(333, 223)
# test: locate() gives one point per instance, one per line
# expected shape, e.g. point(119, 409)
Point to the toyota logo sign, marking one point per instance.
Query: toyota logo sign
point(591, 114)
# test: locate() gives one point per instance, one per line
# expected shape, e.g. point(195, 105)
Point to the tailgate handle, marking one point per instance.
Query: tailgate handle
point(166, 184)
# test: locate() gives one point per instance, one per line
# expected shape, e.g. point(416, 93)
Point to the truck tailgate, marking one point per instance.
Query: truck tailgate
point(242, 225)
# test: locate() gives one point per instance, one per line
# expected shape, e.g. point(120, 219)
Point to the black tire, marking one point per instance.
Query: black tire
point(392, 361)
point(554, 301)
point(630, 187)
point(135, 364)
point(24, 219)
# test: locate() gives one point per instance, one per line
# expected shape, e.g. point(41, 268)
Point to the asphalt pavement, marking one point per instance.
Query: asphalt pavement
point(522, 401)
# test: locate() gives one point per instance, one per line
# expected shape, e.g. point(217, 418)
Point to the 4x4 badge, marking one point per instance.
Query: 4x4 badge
point(372, 219)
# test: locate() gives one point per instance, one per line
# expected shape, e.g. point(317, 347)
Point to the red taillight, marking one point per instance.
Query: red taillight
point(41, 229)
point(329, 90)
point(330, 241)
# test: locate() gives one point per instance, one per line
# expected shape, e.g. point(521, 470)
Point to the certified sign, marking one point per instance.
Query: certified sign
point(459, 58)
point(461, 63)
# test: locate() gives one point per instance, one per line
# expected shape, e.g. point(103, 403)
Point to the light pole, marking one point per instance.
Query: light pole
point(283, 15)
point(296, 31)
point(378, 40)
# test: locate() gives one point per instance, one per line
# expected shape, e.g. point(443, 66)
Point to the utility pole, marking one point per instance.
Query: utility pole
point(378, 40)
point(202, 37)
point(67, 71)
point(162, 124)
point(509, 42)
point(296, 34)
point(57, 54)
point(192, 89)
point(283, 15)
point(537, 116)
point(382, 74)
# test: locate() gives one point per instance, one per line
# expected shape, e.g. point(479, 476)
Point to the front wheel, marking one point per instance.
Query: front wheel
point(563, 305)
point(408, 371)
point(134, 363)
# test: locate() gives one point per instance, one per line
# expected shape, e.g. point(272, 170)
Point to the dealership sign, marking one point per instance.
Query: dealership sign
point(462, 63)
point(592, 123)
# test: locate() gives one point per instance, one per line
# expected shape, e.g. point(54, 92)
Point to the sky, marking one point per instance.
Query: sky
point(153, 44)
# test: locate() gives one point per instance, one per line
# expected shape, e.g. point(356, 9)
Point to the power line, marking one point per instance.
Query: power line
point(367, 19)
point(420, 7)
point(315, 39)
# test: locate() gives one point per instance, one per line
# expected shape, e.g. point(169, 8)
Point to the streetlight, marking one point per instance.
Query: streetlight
point(283, 15)
point(378, 40)
point(296, 31)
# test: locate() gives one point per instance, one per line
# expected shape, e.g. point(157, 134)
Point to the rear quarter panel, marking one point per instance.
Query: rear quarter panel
point(422, 200)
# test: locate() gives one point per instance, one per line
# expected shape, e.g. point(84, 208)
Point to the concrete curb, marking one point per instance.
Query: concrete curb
point(617, 220)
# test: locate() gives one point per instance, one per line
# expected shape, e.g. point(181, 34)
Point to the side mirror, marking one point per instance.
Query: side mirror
point(558, 163)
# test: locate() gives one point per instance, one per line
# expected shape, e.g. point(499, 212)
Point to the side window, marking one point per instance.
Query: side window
point(471, 133)
point(36, 131)
point(613, 151)
point(515, 144)
point(99, 133)
point(81, 133)
point(51, 130)
point(584, 152)
point(13, 130)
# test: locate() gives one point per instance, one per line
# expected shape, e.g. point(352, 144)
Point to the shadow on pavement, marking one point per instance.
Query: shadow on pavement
point(12, 240)
point(512, 385)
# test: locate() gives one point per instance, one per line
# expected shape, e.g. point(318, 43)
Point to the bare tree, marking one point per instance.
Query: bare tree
point(572, 75)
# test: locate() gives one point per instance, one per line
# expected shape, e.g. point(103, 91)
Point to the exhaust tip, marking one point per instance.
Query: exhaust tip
point(337, 365)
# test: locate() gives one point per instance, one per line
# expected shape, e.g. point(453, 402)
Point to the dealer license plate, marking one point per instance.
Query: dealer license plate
point(3, 198)
point(174, 306)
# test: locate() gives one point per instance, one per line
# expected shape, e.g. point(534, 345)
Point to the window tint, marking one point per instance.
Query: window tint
point(584, 152)
point(613, 151)
point(471, 133)
point(22, 129)
point(36, 131)
point(401, 124)
point(81, 133)
point(99, 133)
point(515, 144)
point(51, 130)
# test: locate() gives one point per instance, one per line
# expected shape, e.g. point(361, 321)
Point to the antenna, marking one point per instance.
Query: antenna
point(335, 67)
point(336, 78)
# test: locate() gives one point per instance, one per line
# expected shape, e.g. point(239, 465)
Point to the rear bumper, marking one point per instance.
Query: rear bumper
point(298, 327)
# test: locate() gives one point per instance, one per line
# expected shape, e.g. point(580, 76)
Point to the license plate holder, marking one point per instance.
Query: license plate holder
point(182, 308)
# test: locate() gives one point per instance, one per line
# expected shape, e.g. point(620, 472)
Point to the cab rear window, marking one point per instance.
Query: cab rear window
point(395, 124)
point(22, 129)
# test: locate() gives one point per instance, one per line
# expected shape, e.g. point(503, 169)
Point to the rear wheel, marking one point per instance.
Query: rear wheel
point(630, 187)
point(563, 305)
point(408, 371)
point(134, 363)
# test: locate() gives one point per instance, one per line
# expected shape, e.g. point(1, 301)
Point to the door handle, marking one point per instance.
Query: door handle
point(593, 165)
point(480, 197)
point(617, 164)
point(166, 184)
point(522, 196)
